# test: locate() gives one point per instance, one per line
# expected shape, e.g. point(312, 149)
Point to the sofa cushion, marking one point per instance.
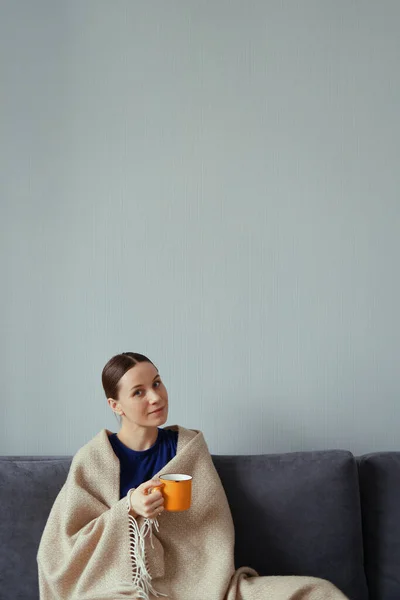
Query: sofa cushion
point(380, 494)
point(298, 514)
point(28, 488)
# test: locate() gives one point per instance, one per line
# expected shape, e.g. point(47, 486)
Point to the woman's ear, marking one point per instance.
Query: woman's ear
point(115, 406)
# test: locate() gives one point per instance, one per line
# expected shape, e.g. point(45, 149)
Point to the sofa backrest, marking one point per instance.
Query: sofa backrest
point(380, 496)
point(28, 488)
point(294, 513)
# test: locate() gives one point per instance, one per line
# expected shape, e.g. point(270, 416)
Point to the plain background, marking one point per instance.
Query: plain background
point(214, 184)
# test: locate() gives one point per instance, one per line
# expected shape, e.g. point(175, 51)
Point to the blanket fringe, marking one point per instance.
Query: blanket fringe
point(141, 575)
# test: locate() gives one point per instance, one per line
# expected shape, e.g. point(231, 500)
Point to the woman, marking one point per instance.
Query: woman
point(107, 536)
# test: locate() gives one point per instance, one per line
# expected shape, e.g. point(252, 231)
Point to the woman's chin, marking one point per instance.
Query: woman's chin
point(160, 417)
point(163, 419)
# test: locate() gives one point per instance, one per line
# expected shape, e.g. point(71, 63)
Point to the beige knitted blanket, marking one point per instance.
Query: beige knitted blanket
point(92, 549)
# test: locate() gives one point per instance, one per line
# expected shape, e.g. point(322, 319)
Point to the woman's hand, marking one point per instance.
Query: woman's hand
point(147, 502)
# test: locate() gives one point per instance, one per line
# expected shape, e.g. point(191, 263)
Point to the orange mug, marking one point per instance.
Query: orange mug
point(177, 491)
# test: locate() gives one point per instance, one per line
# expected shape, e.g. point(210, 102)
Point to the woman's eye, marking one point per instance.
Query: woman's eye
point(157, 383)
point(137, 392)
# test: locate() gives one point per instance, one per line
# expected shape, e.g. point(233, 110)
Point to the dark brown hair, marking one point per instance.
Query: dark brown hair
point(116, 367)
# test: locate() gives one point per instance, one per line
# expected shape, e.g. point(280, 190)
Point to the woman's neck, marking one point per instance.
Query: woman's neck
point(139, 439)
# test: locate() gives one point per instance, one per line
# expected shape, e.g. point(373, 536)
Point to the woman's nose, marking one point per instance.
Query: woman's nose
point(154, 397)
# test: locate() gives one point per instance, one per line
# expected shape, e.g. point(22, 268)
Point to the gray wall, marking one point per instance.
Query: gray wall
point(215, 184)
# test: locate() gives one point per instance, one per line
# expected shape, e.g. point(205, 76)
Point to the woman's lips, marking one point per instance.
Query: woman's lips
point(157, 412)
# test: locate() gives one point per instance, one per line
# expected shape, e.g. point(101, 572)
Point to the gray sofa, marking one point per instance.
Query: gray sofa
point(325, 514)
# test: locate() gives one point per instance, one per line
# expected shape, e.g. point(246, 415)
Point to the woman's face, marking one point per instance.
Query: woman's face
point(142, 398)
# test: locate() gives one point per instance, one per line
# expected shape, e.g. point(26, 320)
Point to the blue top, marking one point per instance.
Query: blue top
point(140, 466)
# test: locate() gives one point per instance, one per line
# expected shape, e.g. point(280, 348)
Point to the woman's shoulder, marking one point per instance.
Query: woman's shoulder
point(187, 436)
point(181, 431)
point(95, 450)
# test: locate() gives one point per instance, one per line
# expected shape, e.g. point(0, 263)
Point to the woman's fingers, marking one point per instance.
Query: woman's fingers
point(158, 512)
point(157, 505)
point(153, 511)
point(147, 486)
point(153, 499)
point(153, 504)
